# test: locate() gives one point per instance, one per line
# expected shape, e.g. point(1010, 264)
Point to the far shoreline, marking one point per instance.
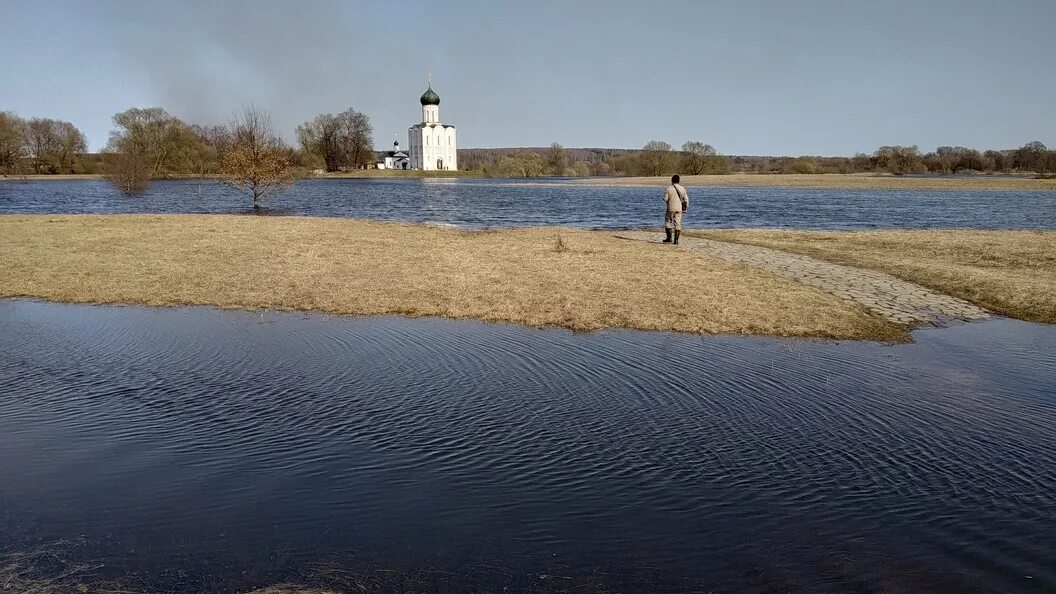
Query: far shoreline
point(837, 181)
point(834, 181)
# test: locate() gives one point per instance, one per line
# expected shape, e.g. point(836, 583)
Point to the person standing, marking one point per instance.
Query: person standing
point(677, 200)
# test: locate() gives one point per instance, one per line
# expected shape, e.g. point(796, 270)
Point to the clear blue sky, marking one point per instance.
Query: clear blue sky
point(750, 77)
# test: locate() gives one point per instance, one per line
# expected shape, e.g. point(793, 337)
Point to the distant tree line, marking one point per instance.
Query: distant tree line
point(558, 160)
point(658, 158)
point(149, 143)
point(40, 146)
point(1032, 157)
point(655, 158)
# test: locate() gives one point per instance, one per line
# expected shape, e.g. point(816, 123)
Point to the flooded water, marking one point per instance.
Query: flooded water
point(199, 449)
point(499, 203)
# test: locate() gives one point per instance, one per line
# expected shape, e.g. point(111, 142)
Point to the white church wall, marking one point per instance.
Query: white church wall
point(453, 156)
point(412, 150)
point(431, 144)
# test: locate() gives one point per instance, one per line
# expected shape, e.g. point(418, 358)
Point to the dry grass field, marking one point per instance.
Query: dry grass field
point(856, 181)
point(1011, 272)
point(581, 280)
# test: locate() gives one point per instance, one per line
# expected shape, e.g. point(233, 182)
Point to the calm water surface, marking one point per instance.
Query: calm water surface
point(195, 448)
point(497, 203)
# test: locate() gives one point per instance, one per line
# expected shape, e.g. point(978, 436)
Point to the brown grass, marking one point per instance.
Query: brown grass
point(576, 279)
point(1011, 272)
point(860, 181)
point(290, 589)
point(53, 568)
point(60, 568)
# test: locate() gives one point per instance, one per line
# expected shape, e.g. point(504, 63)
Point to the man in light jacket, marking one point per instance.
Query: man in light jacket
point(677, 200)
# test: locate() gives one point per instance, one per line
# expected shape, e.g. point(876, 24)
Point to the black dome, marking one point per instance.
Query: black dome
point(429, 97)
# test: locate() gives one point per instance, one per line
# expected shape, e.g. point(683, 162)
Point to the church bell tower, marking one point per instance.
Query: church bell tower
point(430, 105)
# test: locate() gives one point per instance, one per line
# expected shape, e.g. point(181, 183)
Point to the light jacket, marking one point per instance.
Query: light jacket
point(674, 197)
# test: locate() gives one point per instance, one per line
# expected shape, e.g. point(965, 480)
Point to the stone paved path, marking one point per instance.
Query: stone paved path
point(884, 295)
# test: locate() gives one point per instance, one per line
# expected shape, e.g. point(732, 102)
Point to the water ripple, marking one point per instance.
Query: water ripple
point(495, 203)
point(743, 463)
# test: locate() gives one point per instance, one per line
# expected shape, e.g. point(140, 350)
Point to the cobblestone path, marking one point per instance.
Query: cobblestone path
point(884, 295)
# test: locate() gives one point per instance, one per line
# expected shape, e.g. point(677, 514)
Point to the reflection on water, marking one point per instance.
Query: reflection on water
point(499, 203)
point(224, 450)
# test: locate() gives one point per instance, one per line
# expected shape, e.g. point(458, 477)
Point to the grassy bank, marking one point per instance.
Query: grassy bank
point(1011, 272)
point(538, 277)
point(59, 568)
point(66, 567)
point(855, 181)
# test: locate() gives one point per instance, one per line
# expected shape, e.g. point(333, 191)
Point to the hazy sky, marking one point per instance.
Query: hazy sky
point(750, 77)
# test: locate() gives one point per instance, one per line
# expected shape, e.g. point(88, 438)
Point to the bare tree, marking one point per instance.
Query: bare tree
point(163, 142)
point(947, 159)
point(1032, 156)
point(254, 158)
point(999, 160)
point(557, 159)
point(695, 157)
point(128, 172)
point(656, 158)
point(319, 138)
point(899, 159)
point(53, 145)
point(204, 154)
point(69, 144)
point(341, 141)
point(41, 142)
point(204, 159)
point(861, 162)
point(356, 137)
point(12, 143)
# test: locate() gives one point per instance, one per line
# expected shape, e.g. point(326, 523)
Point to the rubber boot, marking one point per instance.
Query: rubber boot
point(668, 233)
point(677, 233)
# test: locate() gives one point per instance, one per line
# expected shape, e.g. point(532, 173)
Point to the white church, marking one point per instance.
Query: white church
point(394, 159)
point(431, 143)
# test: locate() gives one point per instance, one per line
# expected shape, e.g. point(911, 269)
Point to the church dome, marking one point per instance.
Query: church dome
point(430, 97)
